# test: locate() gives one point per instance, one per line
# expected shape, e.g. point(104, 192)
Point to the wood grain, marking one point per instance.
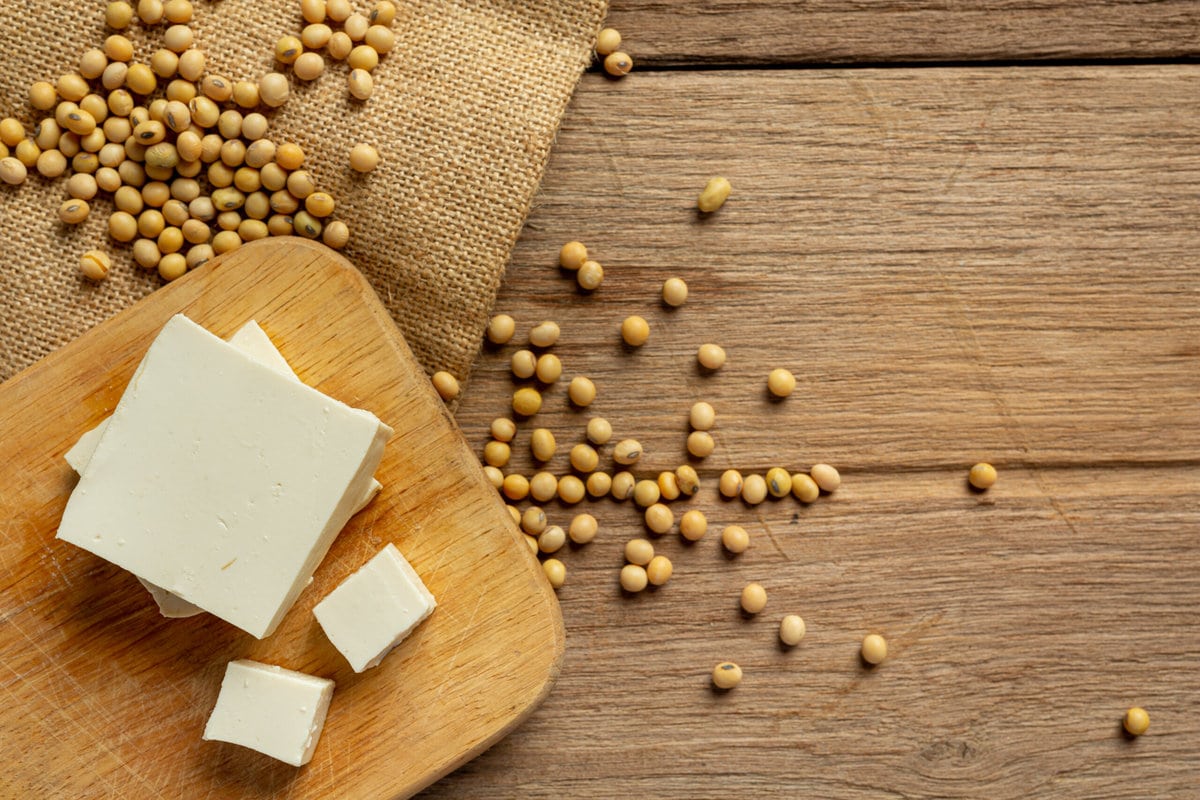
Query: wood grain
point(105, 698)
point(958, 265)
point(729, 32)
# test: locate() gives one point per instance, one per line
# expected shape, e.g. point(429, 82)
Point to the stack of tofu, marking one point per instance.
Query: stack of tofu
point(220, 481)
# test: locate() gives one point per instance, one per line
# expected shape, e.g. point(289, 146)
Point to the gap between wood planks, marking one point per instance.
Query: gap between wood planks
point(818, 66)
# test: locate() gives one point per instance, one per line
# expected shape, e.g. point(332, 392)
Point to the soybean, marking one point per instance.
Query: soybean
point(599, 430)
point(779, 481)
point(516, 487)
point(572, 255)
point(501, 328)
point(618, 64)
point(791, 630)
point(623, 484)
point(639, 551)
point(700, 444)
point(726, 675)
point(363, 157)
point(781, 383)
point(555, 571)
point(503, 429)
point(754, 598)
point(731, 483)
point(702, 416)
point(552, 539)
point(523, 363)
point(693, 525)
point(804, 488)
point(584, 458)
point(874, 649)
point(590, 276)
point(548, 368)
point(754, 490)
point(668, 487)
point(715, 193)
point(687, 480)
point(361, 84)
point(711, 356)
point(1136, 721)
point(627, 452)
point(646, 493)
point(659, 518)
point(635, 331)
point(544, 334)
point(735, 539)
point(582, 391)
point(982, 476)
point(447, 386)
point(674, 292)
point(583, 528)
point(826, 477)
point(607, 41)
point(599, 484)
point(570, 489)
point(542, 444)
point(659, 570)
point(633, 578)
point(543, 487)
point(94, 264)
point(533, 521)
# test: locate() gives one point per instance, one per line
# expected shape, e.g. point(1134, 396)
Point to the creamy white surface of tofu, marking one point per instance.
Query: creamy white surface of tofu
point(373, 610)
point(273, 710)
point(221, 480)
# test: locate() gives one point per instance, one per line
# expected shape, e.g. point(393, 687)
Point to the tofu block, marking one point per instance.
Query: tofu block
point(220, 480)
point(270, 709)
point(252, 340)
point(372, 611)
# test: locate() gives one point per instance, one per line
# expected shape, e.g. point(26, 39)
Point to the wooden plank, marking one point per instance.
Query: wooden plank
point(661, 33)
point(106, 698)
point(957, 265)
point(1022, 624)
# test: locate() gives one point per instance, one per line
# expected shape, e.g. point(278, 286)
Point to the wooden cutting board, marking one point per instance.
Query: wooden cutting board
point(102, 697)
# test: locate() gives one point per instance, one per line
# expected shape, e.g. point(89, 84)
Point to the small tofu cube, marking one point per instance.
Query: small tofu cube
point(270, 709)
point(372, 611)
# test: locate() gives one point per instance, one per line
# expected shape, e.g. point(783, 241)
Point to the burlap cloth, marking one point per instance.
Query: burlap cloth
point(464, 111)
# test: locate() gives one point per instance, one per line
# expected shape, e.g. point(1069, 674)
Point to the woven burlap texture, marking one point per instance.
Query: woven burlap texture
point(463, 113)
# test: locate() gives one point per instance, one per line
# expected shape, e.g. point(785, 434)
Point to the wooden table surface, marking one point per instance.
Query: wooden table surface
point(977, 258)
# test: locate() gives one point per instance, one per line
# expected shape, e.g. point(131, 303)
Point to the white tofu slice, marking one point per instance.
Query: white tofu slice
point(252, 340)
point(273, 710)
point(372, 611)
point(220, 480)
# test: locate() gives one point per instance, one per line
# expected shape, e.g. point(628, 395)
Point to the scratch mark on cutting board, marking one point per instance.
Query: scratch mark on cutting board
point(466, 631)
point(86, 699)
point(42, 720)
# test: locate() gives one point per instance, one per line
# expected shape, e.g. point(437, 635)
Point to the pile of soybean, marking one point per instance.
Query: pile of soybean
point(183, 154)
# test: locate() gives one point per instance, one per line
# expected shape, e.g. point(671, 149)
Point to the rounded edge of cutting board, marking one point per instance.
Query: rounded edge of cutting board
point(541, 587)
